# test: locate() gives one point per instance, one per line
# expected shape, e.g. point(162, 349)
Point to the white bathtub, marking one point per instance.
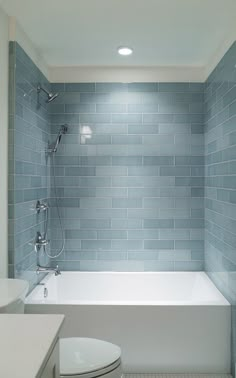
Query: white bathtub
point(163, 322)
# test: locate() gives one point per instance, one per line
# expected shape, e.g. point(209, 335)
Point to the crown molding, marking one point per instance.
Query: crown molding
point(125, 74)
point(219, 54)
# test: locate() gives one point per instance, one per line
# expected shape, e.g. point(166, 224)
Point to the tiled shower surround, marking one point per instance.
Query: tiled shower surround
point(129, 175)
point(220, 213)
point(28, 170)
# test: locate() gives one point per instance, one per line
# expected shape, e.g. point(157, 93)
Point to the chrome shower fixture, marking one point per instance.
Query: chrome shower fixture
point(47, 269)
point(41, 206)
point(40, 241)
point(51, 96)
point(53, 146)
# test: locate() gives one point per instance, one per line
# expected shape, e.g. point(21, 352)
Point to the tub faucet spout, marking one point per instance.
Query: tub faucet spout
point(46, 269)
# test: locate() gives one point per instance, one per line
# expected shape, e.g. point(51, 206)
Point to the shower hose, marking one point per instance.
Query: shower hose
point(58, 213)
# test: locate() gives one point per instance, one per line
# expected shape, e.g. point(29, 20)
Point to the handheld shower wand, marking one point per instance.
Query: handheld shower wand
point(52, 151)
point(53, 146)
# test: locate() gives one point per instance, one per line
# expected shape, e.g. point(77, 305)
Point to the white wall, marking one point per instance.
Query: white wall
point(3, 140)
point(16, 33)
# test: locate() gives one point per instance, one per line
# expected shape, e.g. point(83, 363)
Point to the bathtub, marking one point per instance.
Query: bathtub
point(163, 322)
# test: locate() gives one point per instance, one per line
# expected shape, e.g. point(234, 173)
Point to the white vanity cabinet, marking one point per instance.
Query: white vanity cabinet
point(29, 345)
point(52, 368)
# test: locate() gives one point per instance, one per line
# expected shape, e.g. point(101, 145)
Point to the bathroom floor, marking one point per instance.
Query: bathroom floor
point(177, 376)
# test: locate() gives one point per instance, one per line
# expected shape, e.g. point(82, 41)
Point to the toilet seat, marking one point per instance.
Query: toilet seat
point(87, 358)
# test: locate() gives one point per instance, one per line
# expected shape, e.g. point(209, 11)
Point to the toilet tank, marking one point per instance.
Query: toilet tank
point(12, 295)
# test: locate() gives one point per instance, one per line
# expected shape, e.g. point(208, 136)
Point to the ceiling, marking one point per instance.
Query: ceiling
point(161, 32)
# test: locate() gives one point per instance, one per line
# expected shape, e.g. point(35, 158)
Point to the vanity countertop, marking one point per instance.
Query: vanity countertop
point(26, 342)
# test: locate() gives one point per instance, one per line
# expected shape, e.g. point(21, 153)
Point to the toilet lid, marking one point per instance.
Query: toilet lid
point(84, 355)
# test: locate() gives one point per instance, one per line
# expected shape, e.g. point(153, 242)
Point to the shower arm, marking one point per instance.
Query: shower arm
point(39, 89)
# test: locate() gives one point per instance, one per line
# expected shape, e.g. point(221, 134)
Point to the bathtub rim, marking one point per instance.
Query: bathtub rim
point(220, 301)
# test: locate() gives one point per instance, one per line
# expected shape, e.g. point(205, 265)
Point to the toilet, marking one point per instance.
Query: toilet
point(79, 357)
point(89, 358)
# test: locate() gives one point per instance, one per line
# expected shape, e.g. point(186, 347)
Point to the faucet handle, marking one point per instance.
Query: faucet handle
point(40, 206)
point(57, 271)
point(40, 242)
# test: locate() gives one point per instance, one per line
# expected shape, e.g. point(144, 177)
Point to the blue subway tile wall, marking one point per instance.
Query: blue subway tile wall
point(29, 176)
point(130, 176)
point(220, 190)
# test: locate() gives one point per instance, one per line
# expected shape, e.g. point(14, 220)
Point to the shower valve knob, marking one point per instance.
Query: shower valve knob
point(40, 206)
point(40, 242)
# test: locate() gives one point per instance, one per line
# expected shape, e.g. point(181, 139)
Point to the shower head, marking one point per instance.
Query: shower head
point(64, 129)
point(51, 96)
point(53, 147)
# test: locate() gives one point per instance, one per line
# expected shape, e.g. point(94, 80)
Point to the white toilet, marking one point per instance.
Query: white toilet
point(79, 357)
point(89, 358)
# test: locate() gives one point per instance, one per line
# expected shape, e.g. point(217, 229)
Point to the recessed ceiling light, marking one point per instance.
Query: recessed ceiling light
point(125, 50)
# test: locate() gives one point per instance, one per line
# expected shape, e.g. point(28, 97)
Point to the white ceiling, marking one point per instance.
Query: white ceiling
point(161, 32)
